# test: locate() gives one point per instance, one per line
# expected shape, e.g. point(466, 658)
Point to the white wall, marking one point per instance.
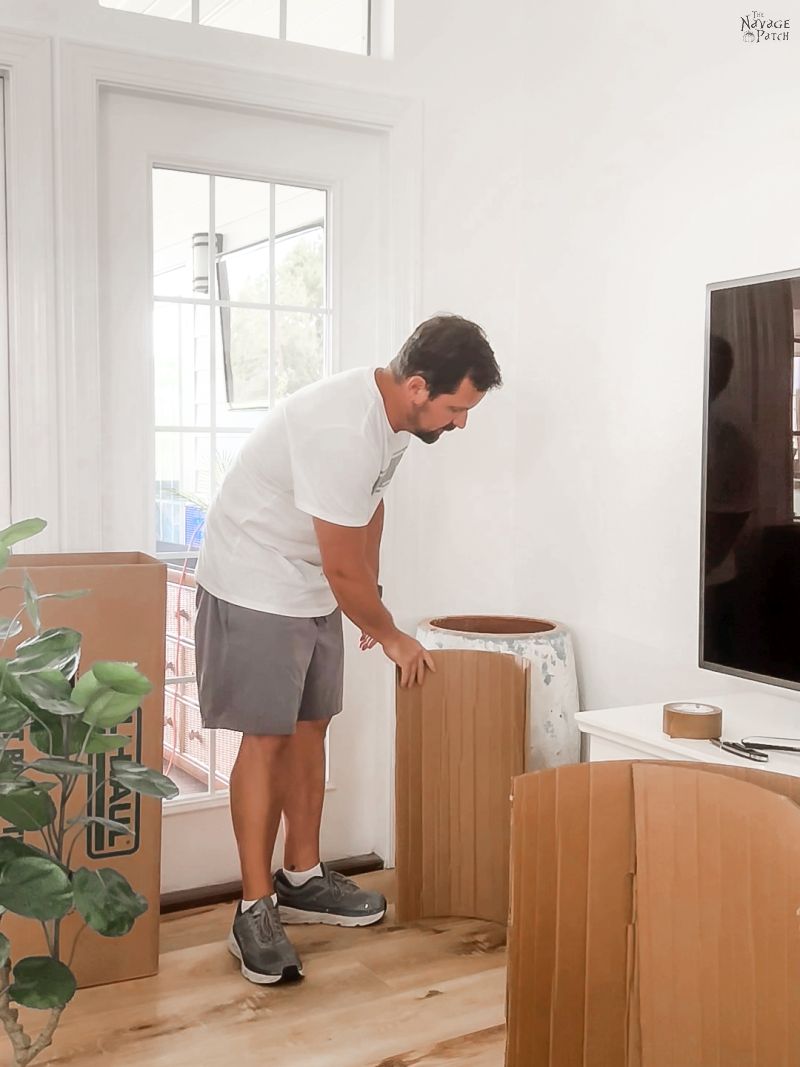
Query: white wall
point(665, 158)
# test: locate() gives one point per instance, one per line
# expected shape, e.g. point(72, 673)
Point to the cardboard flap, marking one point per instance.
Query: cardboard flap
point(718, 891)
point(571, 916)
point(460, 742)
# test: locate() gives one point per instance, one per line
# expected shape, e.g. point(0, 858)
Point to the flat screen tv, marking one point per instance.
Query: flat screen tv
point(750, 565)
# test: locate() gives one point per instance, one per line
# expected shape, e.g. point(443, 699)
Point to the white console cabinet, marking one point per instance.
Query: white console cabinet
point(636, 733)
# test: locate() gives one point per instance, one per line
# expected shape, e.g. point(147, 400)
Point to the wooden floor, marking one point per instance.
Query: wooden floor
point(430, 994)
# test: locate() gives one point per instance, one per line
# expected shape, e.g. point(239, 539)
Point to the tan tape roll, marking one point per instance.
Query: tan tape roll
point(698, 722)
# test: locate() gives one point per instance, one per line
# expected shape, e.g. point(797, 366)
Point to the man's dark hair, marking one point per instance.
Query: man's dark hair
point(444, 351)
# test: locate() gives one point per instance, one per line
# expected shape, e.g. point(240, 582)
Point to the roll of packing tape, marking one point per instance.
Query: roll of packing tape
point(698, 722)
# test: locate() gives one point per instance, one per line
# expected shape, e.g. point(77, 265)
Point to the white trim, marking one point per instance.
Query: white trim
point(83, 71)
point(33, 369)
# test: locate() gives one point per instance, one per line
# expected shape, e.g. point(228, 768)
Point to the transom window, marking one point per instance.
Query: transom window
point(343, 25)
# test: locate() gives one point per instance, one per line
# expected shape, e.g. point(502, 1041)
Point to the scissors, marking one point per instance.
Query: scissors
point(737, 748)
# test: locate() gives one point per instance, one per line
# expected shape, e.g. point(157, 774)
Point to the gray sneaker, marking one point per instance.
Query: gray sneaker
point(259, 942)
point(330, 898)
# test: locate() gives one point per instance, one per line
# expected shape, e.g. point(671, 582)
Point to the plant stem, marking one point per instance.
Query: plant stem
point(92, 795)
point(25, 1050)
point(75, 945)
point(47, 936)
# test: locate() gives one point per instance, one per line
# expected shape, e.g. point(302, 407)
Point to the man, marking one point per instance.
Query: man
point(292, 540)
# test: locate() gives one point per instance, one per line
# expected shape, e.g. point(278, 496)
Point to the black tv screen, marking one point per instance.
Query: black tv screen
point(750, 567)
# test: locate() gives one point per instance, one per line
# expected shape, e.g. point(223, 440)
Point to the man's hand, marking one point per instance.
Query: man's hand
point(409, 655)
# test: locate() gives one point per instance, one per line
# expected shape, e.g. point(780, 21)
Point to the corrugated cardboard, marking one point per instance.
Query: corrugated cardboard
point(460, 741)
point(122, 618)
point(654, 917)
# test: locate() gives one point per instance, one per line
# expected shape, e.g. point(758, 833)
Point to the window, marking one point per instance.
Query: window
point(239, 322)
point(343, 25)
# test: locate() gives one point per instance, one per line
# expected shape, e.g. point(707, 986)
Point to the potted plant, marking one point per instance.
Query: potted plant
point(67, 719)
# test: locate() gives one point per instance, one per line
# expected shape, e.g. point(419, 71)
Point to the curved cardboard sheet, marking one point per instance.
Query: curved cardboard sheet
point(459, 743)
point(618, 870)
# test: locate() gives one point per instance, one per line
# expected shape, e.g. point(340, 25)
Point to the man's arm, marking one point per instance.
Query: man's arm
point(347, 566)
point(374, 535)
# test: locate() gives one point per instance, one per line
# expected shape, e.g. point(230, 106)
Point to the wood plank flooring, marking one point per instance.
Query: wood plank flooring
point(428, 994)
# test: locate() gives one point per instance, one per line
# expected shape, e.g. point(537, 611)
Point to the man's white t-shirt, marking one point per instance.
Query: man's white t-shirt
point(328, 451)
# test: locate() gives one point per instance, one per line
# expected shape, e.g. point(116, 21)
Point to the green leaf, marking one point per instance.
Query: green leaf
point(32, 603)
point(12, 764)
point(28, 809)
point(42, 982)
point(107, 708)
point(84, 689)
point(106, 901)
point(5, 950)
point(9, 627)
point(11, 848)
point(21, 531)
point(4, 555)
point(57, 650)
point(15, 784)
point(73, 594)
point(117, 827)
point(36, 887)
point(142, 779)
point(107, 743)
point(50, 691)
point(59, 765)
point(13, 715)
point(122, 678)
point(47, 735)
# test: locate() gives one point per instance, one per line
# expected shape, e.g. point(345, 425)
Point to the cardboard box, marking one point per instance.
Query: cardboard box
point(460, 741)
point(655, 917)
point(122, 618)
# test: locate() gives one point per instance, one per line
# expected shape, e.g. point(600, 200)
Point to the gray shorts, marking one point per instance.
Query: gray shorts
point(259, 673)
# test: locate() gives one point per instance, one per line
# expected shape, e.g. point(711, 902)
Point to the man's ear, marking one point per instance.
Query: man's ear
point(417, 388)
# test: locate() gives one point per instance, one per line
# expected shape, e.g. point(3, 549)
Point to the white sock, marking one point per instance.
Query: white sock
point(247, 904)
point(298, 878)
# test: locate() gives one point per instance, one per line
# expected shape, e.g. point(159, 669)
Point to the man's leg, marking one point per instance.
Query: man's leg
point(304, 794)
point(258, 786)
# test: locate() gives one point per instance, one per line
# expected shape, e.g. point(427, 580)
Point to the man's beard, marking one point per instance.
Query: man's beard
point(430, 437)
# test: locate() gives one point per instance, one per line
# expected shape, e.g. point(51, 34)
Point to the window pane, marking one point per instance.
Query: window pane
point(300, 339)
point(243, 344)
point(242, 224)
point(180, 10)
point(300, 246)
point(300, 269)
point(180, 233)
point(183, 489)
point(181, 364)
point(187, 746)
point(298, 208)
point(261, 17)
point(343, 25)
